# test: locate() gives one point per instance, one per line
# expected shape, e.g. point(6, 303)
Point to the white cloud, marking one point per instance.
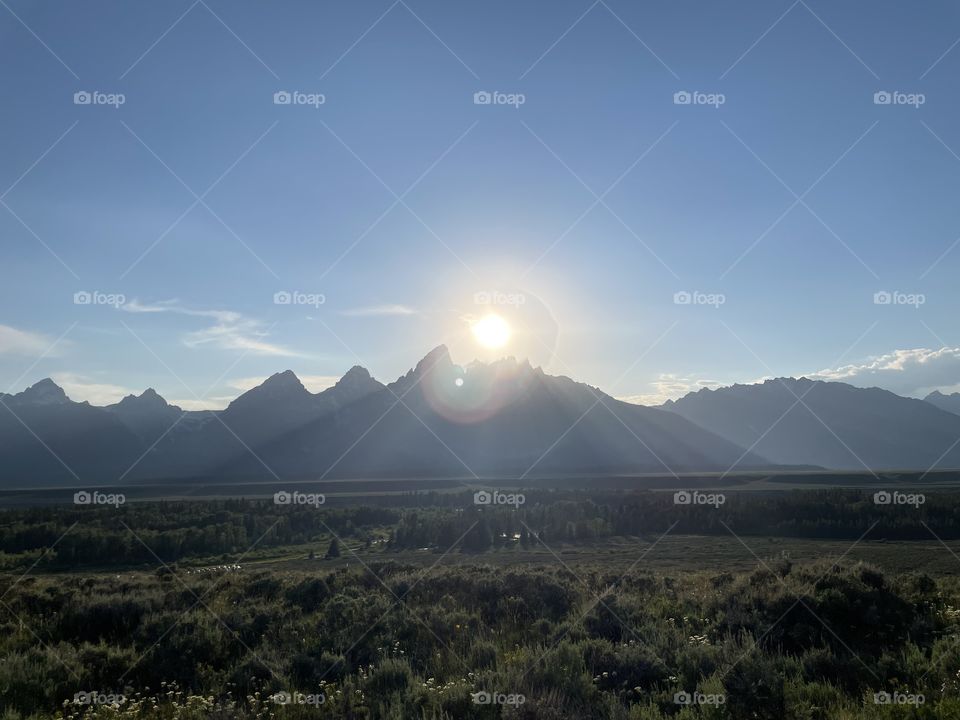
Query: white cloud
point(914, 373)
point(380, 311)
point(668, 387)
point(80, 388)
point(313, 383)
point(227, 330)
point(211, 403)
point(22, 342)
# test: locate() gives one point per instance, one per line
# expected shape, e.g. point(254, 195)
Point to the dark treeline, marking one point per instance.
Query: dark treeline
point(571, 518)
point(140, 532)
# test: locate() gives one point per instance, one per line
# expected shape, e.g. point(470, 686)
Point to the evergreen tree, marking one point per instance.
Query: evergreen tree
point(334, 550)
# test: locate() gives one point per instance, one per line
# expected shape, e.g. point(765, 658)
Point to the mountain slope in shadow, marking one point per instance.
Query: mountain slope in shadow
point(500, 418)
point(830, 424)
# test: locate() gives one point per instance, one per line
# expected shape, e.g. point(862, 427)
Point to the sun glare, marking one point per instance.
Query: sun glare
point(491, 331)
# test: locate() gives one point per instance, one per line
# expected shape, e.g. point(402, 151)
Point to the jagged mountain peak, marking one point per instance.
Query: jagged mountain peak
point(149, 398)
point(44, 392)
point(438, 358)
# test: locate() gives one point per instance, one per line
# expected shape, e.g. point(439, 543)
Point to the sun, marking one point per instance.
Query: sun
point(491, 331)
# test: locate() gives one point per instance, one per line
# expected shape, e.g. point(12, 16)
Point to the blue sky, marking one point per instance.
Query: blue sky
point(780, 212)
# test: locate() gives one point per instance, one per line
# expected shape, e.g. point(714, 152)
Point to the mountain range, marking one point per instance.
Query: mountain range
point(828, 424)
point(439, 419)
point(504, 418)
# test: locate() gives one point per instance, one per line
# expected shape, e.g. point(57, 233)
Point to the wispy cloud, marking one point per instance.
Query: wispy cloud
point(80, 388)
point(211, 403)
point(226, 329)
point(22, 342)
point(380, 311)
point(313, 383)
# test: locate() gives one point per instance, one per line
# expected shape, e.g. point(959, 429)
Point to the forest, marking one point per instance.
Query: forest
point(180, 610)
